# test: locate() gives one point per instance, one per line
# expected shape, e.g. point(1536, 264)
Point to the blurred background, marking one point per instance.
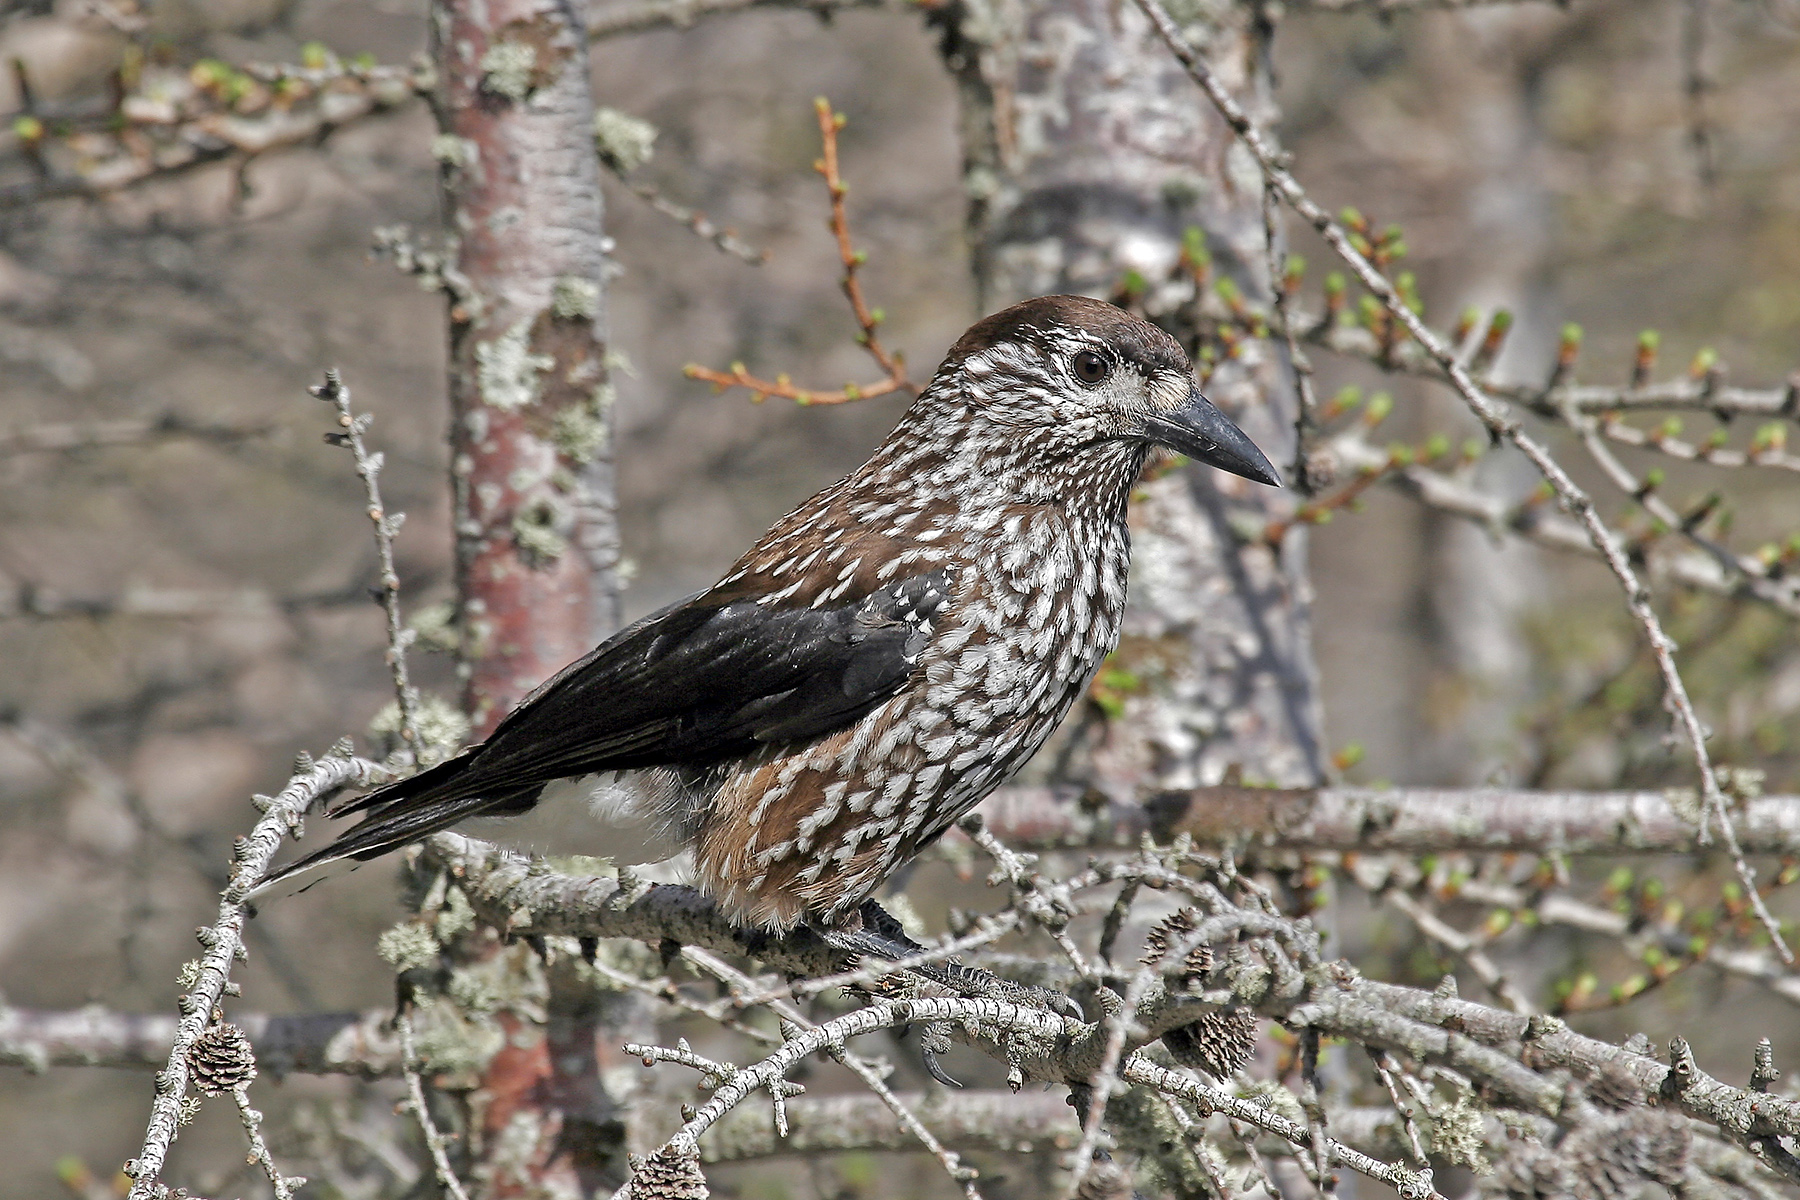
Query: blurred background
point(177, 618)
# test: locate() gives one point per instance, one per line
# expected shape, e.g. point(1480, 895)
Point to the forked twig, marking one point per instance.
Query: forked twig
point(867, 319)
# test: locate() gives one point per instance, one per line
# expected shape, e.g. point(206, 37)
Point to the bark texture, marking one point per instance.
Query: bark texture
point(1088, 155)
point(536, 538)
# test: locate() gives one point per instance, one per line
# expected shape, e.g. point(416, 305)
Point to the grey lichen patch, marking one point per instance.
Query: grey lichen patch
point(443, 728)
point(409, 946)
point(623, 142)
point(451, 1043)
point(454, 151)
point(474, 990)
point(1277, 1099)
point(580, 433)
point(455, 918)
point(573, 298)
point(538, 532)
point(1456, 1133)
point(506, 370)
point(509, 69)
point(435, 625)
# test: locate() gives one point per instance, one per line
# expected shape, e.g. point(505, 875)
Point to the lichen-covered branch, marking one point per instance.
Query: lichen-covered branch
point(222, 945)
point(345, 1043)
point(174, 120)
point(1371, 820)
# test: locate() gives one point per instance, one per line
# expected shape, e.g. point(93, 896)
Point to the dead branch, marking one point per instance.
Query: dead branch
point(27, 599)
point(344, 1043)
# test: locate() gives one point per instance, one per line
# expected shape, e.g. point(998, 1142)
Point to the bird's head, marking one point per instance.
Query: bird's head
point(1064, 373)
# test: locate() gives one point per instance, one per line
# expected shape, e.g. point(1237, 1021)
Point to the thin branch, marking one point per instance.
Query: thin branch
point(1500, 424)
point(68, 436)
point(1388, 7)
point(867, 319)
point(251, 1119)
point(1463, 946)
point(223, 945)
point(725, 239)
point(1372, 820)
point(368, 469)
point(27, 599)
point(344, 1043)
point(872, 1075)
point(1701, 392)
point(415, 1092)
point(179, 120)
point(613, 20)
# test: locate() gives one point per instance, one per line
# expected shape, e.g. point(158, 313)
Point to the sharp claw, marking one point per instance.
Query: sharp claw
point(935, 1069)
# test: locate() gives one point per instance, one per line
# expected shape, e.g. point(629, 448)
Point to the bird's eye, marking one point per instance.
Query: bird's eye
point(1091, 368)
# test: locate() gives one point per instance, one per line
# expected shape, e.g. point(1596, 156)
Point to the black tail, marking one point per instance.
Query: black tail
point(411, 808)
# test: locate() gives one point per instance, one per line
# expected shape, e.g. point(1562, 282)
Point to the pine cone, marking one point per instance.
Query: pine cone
point(1218, 1043)
point(221, 1060)
point(666, 1176)
point(1169, 933)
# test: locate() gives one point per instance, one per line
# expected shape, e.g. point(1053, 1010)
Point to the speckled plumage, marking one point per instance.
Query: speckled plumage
point(887, 654)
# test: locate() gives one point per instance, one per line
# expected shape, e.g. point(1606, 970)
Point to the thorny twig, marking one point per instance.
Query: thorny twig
point(867, 319)
point(1502, 425)
point(368, 469)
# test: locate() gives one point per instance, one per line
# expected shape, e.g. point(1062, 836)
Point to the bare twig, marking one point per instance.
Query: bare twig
point(415, 1092)
point(1500, 424)
point(180, 120)
point(315, 1043)
point(284, 1186)
point(867, 319)
point(702, 226)
point(368, 469)
point(26, 599)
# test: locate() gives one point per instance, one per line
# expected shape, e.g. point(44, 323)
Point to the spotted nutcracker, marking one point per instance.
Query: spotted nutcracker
point(888, 654)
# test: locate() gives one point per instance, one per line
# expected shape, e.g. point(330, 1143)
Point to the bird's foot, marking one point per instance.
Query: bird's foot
point(881, 936)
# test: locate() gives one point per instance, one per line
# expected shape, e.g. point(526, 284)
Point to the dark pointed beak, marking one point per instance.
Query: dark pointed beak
point(1200, 431)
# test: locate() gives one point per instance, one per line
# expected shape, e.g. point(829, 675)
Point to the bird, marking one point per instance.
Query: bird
point(883, 658)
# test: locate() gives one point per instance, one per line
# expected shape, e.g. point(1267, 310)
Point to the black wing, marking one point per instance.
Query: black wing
point(709, 678)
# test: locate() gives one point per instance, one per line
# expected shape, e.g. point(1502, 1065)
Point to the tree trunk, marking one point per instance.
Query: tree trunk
point(1088, 155)
point(536, 538)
